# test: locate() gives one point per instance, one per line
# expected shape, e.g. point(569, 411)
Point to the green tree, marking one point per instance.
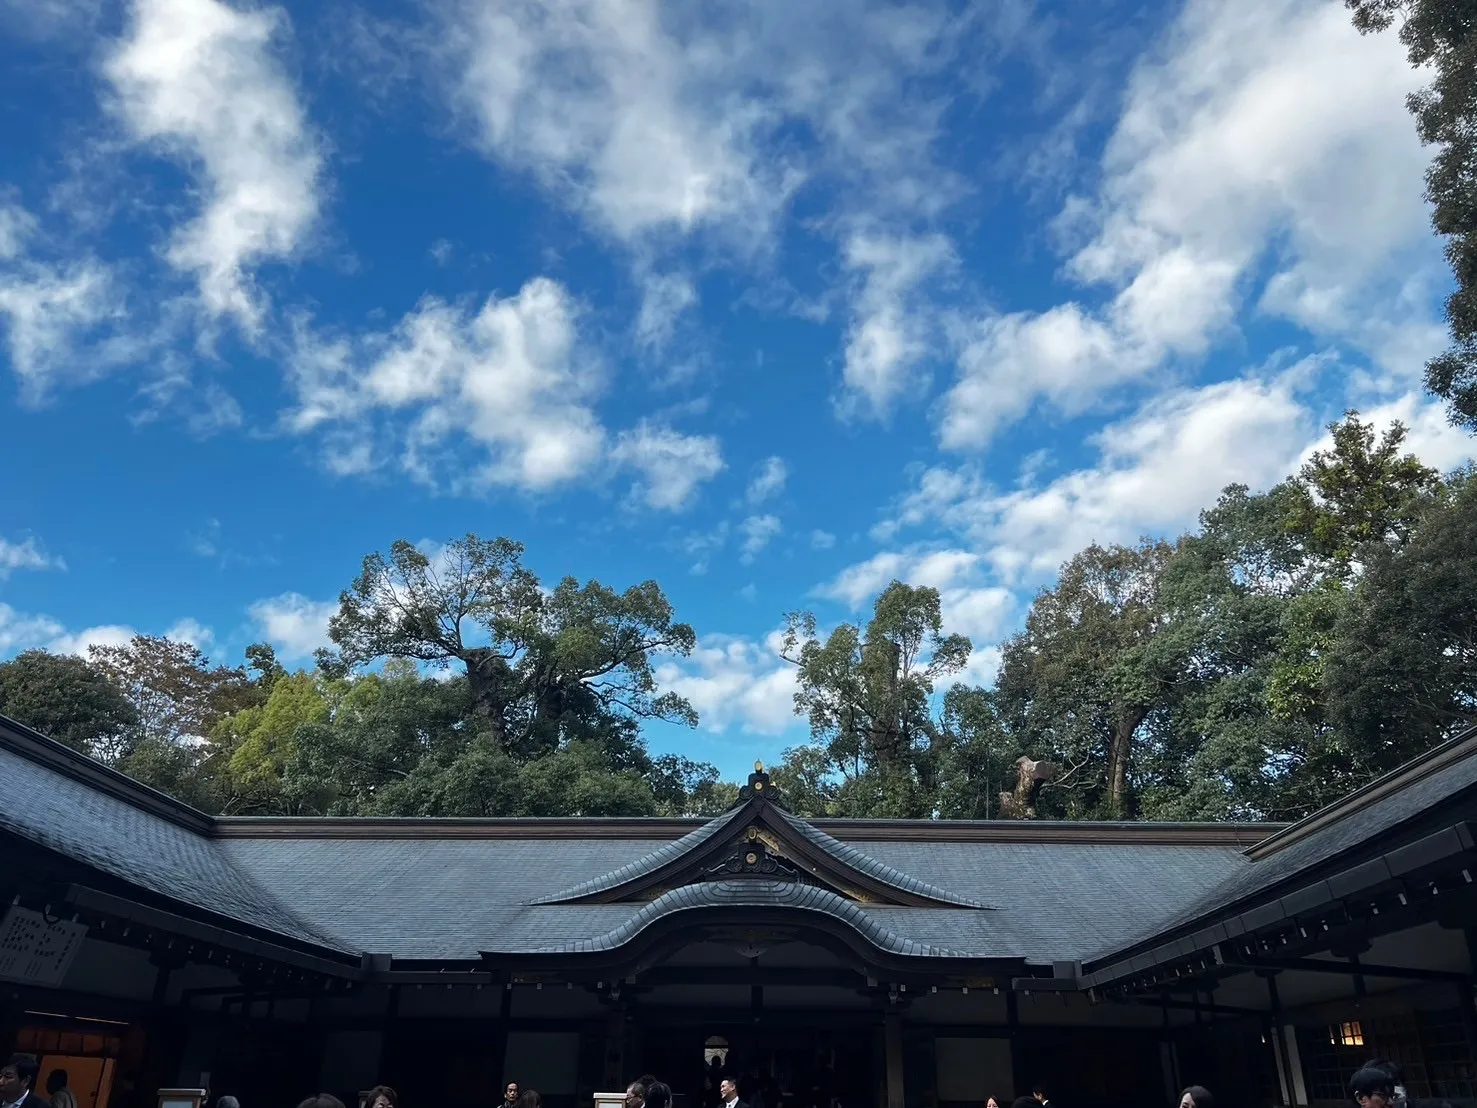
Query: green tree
point(257, 744)
point(868, 695)
point(683, 787)
point(67, 699)
point(1359, 494)
point(807, 781)
point(539, 665)
point(1402, 675)
point(980, 757)
point(1442, 35)
point(1090, 666)
point(178, 695)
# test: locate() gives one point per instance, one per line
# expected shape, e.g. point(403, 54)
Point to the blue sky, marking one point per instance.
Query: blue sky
point(772, 302)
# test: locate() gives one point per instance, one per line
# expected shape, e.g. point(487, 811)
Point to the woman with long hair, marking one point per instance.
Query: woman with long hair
point(529, 1098)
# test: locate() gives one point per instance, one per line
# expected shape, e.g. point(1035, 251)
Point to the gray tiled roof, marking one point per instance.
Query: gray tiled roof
point(450, 898)
point(1347, 837)
point(90, 826)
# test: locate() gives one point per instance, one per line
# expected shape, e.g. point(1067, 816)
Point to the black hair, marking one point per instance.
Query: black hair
point(1200, 1095)
point(322, 1100)
point(227, 1102)
point(1392, 1068)
point(26, 1067)
point(57, 1080)
point(529, 1098)
point(1370, 1080)
point(658, 1095)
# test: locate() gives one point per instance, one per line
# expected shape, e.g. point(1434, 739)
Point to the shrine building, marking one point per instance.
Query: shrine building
point(875, 963)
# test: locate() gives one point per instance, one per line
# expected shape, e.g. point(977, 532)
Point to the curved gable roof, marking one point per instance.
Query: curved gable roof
point(759, 817)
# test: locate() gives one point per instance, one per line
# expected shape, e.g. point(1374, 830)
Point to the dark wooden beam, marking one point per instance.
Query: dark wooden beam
point(807, 977)
point(1345, 969)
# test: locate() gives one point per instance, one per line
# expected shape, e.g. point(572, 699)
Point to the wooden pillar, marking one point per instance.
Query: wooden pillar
point(1018, 1078)
point(1280, 1041)
point(892, 1038)
point(615, 1049)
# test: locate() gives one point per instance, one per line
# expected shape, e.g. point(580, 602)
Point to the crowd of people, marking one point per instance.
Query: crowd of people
point(1377, 1084)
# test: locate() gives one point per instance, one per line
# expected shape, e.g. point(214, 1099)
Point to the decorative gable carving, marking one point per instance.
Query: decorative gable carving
point(759, 840)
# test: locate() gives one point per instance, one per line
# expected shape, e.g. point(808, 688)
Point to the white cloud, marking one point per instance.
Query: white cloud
point(199, 80)
point(758, 531)
point(891, 330)
point(25, 555)
point(30, 631)
point(293, 624)
point(79, 642)
point(1269, 133)
point(193, 632)
point(664, 298)
point(512, 380)
point(672, 465)
point(735, 682)
point(1156, 471)
point(659, 125)
point(969, 605)
point(822, 540)
point(20, 631)
point(52, 310)
point(604, 105)
point(768, 482)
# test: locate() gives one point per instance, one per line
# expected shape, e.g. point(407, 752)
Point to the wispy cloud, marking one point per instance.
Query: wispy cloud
point(27, 554)
point(201, 82)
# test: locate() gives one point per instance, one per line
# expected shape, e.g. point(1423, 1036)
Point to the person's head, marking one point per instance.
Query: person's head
point(510, 1091)
point(991, 1102)
point(727, 1089)
point(56, 1082)
point(635, 1095)
point(1372, 1087)
point(1197, 1096)
point(227, 1102)
point(17, 1076)
point(382, 1096)
point(1397, 1076)
point(529, 1098)
point(322, 1100)
point(658, 1095)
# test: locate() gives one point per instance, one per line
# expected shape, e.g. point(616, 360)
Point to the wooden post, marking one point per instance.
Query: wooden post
point(892, 1036)
point(1018, 1079)
point(1279, 1040)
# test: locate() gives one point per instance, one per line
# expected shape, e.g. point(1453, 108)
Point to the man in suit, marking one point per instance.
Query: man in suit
point(18, 1083)
point(728, 1091)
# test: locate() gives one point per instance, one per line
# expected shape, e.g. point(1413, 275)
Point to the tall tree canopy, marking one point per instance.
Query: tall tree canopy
point(1442, 34)
point(540, 666)
point(867, 695)
point(1294, 644)
point(69, 699)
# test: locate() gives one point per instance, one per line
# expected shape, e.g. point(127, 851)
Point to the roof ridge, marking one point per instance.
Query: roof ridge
point(1458, 748)
point(878, 871)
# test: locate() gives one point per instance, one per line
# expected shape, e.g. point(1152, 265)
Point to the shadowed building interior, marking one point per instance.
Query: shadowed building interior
point(901, 964)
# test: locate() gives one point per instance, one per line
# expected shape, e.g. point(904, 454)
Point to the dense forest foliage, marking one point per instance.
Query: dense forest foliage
point(1297, 643)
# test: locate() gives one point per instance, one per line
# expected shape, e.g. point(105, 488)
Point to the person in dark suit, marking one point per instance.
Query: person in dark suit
point(728, 1093)
point(18, 1083)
